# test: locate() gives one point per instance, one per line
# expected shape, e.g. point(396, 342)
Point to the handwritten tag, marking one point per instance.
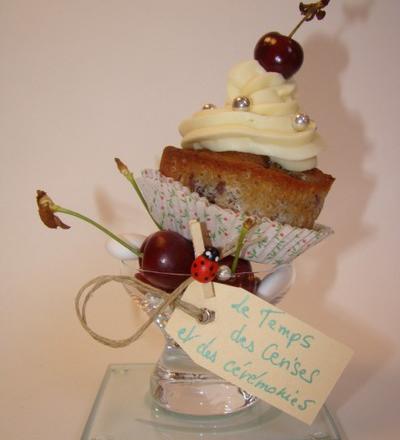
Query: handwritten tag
point(261, 349)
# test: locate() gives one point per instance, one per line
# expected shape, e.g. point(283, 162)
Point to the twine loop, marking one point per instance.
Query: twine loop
point(87, 292)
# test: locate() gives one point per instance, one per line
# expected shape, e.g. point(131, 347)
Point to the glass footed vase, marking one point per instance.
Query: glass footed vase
point(177, 383)
point(180, 385)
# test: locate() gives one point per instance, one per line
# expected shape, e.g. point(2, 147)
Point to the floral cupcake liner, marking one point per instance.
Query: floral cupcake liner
point(172, 205)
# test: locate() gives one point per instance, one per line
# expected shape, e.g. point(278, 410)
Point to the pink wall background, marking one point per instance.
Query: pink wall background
point(84, 81)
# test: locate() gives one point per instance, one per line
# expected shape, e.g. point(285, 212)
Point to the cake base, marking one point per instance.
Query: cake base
point(249, 184)
point(123, 409)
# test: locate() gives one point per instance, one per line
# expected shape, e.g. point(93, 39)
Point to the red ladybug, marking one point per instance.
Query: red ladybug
point(205, 267)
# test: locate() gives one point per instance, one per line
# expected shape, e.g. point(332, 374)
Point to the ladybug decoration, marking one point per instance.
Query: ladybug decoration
point(205, 267)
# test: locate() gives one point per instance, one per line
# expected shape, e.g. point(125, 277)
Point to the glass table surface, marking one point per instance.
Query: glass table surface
point(123, 410)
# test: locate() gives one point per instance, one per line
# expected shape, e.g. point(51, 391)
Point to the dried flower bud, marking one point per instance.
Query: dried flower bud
point(46, 211)
point(123, 169)
point(249, 223)
point(310, 10)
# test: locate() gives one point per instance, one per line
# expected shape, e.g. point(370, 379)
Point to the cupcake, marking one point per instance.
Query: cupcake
point(257, 154)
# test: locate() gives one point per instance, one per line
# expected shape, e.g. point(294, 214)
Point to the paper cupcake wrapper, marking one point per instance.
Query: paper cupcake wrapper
point(172, 205)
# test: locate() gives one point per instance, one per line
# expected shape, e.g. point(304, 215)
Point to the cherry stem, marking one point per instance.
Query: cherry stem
point(134, 250)
point(310, 10)
point(124, 170)
point(247, 225)
point(298, 25)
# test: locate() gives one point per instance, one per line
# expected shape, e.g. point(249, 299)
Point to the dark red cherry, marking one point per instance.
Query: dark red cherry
point(243, 277)
point(165, 253)
point(279, 53)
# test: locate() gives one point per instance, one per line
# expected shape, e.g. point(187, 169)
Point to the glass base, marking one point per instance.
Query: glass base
point(179, 385)
point(124, 410)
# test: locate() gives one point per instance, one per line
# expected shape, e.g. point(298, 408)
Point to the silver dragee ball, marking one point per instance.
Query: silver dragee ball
point(241, 103)
point(301, 122)
point(224, 273)
point(208, 106)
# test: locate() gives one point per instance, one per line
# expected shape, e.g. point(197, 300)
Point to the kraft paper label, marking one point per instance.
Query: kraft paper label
point(261, 349)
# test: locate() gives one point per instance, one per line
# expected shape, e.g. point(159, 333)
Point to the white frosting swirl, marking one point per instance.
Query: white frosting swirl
point(266, 129)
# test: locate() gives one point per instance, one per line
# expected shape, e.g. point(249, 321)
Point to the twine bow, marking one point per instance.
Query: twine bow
point(87, 291)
